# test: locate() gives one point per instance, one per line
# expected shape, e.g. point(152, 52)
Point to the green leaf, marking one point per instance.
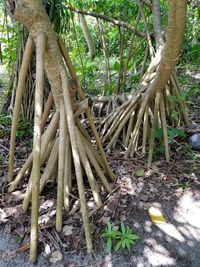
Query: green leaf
point(106, 234)
point(116, 66)
point(131, 241)
point(123, 228)
point(134, 237)
point(158, 133)
point(180, 132)
point(123, 243)
point(173, 98)
point(116, 234)
point(174, 114)
point(118, 246)
point(128, 230)
point(128, 245)
point(109, 244)
point(109, 227)
point(139, 172)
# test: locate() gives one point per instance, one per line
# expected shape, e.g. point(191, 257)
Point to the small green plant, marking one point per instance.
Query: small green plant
point(123, 238)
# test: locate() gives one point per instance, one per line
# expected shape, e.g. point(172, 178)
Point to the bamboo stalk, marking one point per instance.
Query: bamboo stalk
point(151, 49)
point(46, 112)
point(51, 166)
point(105, 53)
point(120, 74)
point(40, 52)
point(181, 102)
point(95, 153)
point(145, 61)
point(114, 124)
point(82, 130)
point(134, 146)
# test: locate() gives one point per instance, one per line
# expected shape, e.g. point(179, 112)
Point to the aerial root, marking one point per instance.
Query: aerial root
point(134, 123)
point(64, 146)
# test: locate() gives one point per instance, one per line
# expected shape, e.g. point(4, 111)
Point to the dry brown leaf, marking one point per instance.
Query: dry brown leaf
point(23, 248)
point(73, 242)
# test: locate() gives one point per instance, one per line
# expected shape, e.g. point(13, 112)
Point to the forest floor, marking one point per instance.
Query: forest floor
point(173, 188)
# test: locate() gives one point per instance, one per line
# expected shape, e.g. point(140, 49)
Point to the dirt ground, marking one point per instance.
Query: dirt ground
point(175, 243)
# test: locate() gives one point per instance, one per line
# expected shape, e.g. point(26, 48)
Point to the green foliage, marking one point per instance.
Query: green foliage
point(172, 134)
point(59, 15)
point(189, 152)
point(92, 72)
point(123, 238)
point(24, 130)
point(139, 172)
point(10, 37)
point(191, 49)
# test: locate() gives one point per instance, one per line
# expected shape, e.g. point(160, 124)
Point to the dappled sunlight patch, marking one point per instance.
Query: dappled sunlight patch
point(158, 255)
point(148, 226)
point(171, 230)
point(188, 209)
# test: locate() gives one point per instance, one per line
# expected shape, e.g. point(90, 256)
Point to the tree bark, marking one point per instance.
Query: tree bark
point(88, 36)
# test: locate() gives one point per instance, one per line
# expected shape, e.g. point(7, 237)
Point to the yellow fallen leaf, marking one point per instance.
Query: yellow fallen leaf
point(156, 215)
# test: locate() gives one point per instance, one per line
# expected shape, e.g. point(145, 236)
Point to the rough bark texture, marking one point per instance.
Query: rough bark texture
point(33, 16)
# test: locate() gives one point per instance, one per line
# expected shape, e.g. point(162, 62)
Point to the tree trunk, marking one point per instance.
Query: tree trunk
point(87, 35)
point(150, 105)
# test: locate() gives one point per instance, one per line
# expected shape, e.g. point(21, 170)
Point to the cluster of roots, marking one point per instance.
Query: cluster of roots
point(132, 120)
point(64, 147)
